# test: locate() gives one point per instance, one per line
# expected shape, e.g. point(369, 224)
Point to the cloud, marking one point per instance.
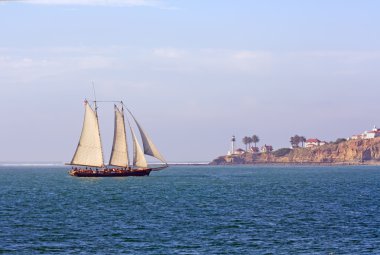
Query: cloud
point(147, 3)
point(34, 63)
point(355, 56)
point(19, 66)
point(211, 60)
point(336, 63)
point(169, 53)
point(95, 62)
point(245, 55)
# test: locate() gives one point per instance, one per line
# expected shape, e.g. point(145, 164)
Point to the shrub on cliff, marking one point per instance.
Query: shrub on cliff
point(282, 152)
point(218, 161)
point(340, 140)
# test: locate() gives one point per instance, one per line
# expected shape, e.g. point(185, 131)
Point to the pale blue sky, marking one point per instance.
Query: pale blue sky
point(193, 72)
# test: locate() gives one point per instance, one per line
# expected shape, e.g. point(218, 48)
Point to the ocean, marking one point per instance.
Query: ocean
point(192, 210)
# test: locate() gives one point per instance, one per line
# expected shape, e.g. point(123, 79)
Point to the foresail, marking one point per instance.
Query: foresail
point(119, 154)
point(89, 150)
point(138, 155)
point(149, 147)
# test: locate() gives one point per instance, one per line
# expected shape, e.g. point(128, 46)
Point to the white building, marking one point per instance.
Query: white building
point(356, 137)
point(239, 151)
point(375, 132)
point(313, 142)
point(232, 151)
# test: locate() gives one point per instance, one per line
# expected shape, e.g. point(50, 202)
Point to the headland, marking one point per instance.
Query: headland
point(351, 152)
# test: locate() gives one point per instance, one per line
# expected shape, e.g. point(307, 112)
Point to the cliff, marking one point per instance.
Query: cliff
point(349, 152)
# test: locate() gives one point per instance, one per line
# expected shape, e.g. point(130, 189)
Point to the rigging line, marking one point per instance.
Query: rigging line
point(93, 87)
point(133, 117)
point(122, 103)
point(97, 121)
point(106, 101)
point(134, 141)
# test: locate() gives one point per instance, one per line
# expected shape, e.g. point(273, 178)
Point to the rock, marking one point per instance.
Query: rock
point(349, 152)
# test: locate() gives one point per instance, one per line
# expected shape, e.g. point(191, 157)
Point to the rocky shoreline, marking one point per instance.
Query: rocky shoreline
point(352, 152)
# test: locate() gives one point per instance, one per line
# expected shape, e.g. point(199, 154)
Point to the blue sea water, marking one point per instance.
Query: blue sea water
point(192, 210)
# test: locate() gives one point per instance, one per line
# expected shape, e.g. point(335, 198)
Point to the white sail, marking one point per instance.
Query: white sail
point(119, 154)
point(89, 150)
point(138, 155)
point(149, 147)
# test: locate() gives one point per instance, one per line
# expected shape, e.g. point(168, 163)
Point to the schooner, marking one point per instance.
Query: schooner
point(88, 158)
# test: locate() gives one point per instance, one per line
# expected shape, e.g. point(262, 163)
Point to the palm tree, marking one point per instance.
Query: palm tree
point(302, 140)
point(297, 140)
point(250, 140)
point(255, 139)
point(245, 141)
point(294, 141)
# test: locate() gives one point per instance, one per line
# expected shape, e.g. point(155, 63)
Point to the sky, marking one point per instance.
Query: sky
point(194, 73)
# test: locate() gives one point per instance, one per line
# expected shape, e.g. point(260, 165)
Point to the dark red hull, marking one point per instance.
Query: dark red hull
point(108, 173)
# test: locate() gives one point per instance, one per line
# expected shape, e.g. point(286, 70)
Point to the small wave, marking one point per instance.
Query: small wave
point(188, 163)
point(31, 164)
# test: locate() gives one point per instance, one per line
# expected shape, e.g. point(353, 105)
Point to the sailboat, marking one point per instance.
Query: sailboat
point(88, 158)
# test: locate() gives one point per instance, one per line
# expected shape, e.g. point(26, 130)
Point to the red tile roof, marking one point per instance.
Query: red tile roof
point(313, 140)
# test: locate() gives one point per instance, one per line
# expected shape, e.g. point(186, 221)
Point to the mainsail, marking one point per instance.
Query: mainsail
point(138, 155)
point(149, 147)
point(119, 154)
point(89, 150)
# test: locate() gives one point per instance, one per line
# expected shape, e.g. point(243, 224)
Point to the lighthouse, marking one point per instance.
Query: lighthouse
point(232, 151)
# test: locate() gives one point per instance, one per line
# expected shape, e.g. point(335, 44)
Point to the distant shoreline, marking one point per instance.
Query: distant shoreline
point(189, 164)
point(345, 153)
point(63, 164)
point(31, 164)
point(301, 164)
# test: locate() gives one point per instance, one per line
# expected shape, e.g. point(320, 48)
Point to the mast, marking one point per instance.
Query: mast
point(139, 159)
point(119, 154)
point(89, 151)
point(97, 121)
point(138, 155)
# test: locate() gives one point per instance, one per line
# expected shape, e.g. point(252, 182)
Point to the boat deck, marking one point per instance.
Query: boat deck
point(109, 172)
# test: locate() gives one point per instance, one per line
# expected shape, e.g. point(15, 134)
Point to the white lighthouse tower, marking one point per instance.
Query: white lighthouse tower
point(232, 151)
